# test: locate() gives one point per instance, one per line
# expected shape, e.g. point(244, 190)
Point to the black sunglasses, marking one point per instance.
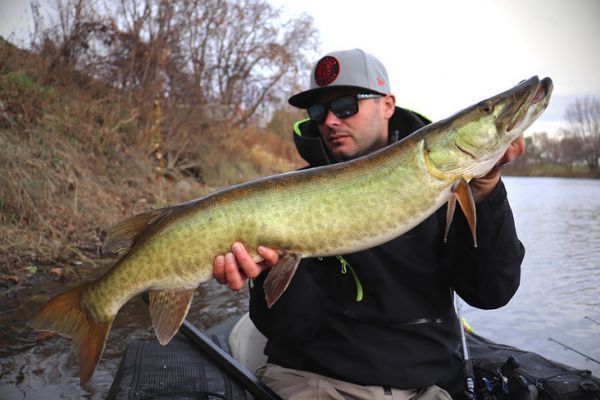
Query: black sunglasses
point(342, 107)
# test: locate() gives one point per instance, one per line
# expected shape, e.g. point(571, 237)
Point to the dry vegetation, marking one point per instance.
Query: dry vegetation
point(66, 172)
point(78, 152)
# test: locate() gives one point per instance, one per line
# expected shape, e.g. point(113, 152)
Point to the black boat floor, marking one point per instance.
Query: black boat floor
point(178, 371)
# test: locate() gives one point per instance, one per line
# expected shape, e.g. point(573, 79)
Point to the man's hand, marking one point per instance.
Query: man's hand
point(482, 187)
point(236, 267)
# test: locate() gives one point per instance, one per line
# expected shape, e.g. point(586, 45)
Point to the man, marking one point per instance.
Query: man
point(378, 323)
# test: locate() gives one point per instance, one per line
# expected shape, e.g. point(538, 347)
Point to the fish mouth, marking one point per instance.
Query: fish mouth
point(536, 92)
point(543, 90)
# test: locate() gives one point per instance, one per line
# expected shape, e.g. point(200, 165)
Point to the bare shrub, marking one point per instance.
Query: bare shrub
point(583, 117)
point(120, 101)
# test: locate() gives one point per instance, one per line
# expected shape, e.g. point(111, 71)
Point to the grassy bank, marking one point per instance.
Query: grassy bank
point(77, 156)
point(550, 170)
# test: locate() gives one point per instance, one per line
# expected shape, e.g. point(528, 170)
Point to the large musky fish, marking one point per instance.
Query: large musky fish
point(323, 211)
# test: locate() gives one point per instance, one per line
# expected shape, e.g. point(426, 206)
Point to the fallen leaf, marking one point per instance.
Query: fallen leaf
point(44, 335)
point(10, 278)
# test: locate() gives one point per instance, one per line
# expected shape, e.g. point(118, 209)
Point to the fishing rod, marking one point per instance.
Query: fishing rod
point(467, 362)
point(593, 320)
point(574, 350)
point(224, 360)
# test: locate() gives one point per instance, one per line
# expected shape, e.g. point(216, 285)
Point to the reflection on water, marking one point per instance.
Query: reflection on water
point(557, 220)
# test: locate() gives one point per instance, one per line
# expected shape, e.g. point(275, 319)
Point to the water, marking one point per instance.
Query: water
point(558, 220)
point(35, 368)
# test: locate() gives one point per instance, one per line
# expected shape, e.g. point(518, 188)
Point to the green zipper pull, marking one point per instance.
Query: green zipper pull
point(345, 266)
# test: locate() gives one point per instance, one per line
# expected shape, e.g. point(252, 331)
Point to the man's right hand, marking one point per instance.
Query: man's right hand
point(236, 267)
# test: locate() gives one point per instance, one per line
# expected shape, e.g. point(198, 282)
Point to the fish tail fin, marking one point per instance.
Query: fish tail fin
point(66, 315)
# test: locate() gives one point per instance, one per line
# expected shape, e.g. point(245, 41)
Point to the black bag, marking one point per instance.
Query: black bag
point(505, 372)
point(178, 371)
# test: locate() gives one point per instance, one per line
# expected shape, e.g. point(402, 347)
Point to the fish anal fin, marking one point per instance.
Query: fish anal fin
point(168, 309)
point(66, 315)
point(465, 199)
point(280, 277)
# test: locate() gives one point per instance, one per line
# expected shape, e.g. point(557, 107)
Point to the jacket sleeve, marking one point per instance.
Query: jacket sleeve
point(486, 276)
point(294, 317)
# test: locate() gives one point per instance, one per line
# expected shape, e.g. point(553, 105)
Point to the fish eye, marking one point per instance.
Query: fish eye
point(487, 107)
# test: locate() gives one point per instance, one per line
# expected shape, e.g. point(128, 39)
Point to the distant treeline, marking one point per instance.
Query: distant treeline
point(575, 147)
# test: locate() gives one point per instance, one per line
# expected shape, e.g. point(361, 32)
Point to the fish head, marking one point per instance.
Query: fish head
point(470, 142)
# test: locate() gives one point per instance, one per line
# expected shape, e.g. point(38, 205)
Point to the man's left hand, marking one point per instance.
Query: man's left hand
point(483, 187)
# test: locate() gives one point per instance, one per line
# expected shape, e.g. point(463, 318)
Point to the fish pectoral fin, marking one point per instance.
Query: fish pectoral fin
point(450, 213)
point(465, 199)
point(280, 277)
point(168, 309)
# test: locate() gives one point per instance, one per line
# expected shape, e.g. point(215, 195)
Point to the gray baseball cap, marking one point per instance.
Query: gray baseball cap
point(352, 69)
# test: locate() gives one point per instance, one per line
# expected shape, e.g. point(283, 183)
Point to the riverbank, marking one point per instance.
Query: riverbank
point(550, 170)
point(77, 156)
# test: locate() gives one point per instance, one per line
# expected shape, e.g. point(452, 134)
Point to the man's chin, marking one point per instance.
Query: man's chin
point(343, 155)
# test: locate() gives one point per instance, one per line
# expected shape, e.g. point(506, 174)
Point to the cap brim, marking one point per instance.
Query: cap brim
point(307, 98)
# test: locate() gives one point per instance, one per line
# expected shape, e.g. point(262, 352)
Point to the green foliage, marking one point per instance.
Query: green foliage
point(19, 79)
point(25, 83)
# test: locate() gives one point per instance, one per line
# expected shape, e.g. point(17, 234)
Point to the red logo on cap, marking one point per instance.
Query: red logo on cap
point(327, 70)
point(380, 82)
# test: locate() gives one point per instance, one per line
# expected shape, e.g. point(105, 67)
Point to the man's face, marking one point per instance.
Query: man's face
point(359, 134)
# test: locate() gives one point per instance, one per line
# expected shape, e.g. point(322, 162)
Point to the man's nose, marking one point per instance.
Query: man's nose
point(331, 119)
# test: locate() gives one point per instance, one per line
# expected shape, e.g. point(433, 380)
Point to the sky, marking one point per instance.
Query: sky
point(444, 55)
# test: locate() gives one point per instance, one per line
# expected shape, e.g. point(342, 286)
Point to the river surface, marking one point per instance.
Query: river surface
point(558, 221)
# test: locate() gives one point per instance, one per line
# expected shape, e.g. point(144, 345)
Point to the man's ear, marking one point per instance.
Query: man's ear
point(389, 104)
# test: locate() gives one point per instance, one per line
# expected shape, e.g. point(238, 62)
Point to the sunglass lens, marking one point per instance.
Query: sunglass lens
point(317, 112)
point(344, 107)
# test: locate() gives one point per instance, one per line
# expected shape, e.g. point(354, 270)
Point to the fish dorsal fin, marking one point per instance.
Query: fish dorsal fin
point(280, 276)
point(123, 234)
point(168, 309)
point(462, 192)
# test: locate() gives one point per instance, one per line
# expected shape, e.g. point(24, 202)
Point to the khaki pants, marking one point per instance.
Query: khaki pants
point(291, 384)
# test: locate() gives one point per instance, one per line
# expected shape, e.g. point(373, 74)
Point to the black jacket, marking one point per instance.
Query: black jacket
point(385, 316)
